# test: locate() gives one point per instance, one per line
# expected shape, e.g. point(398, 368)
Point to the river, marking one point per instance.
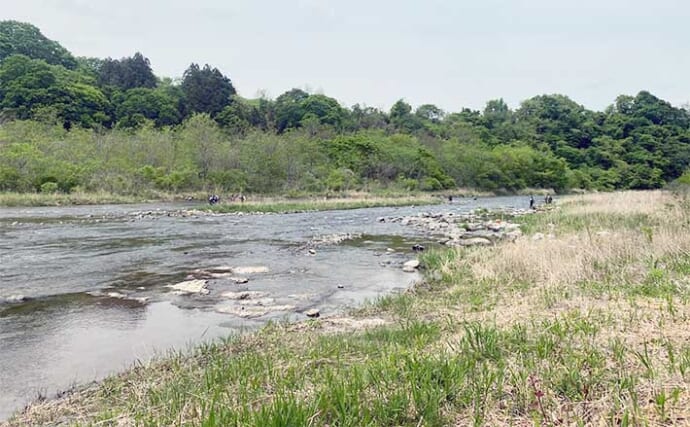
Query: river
point(83, 289)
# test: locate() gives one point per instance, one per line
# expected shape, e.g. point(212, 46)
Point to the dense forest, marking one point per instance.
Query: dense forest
point(72, 123)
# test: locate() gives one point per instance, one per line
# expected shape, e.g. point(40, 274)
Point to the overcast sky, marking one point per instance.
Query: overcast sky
point(452, 53)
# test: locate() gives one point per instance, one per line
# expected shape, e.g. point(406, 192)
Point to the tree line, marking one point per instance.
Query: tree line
point(110, 124)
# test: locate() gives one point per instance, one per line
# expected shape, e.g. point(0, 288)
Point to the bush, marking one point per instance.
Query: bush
point(49, 187)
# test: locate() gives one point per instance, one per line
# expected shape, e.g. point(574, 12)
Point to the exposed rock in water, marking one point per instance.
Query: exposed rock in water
point(413, 263)
point(314, 312)
point(247, 270)
point(239, 280)
point(244, 295)
point(13, 299)
point(118, 295)
point(408, 269)
point(330, 239)
point(190, 287)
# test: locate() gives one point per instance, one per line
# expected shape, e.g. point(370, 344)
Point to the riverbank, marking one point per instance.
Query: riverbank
point(281, 205)
point(581, 319)
point(254, 203)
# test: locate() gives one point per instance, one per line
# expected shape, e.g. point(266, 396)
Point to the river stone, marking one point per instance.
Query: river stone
point(473, 227)
point(413, 263)
point(118, 295)
point(256, 269)
point(474, 241)
point(408, 269)
point(314, 312)
point(251, 311)
point(14, 299)
point(190, 287)
point(223, 269)
point(513, 235)
point(239, 280)
point(243, 295)
point(495, 226)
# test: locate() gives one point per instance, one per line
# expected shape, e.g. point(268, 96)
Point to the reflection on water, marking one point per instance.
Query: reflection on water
point(83, 338)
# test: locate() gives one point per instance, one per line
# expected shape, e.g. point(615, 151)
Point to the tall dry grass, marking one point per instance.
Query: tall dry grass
point(616, 253)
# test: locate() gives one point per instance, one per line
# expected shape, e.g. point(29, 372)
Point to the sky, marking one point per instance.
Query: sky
point(452, 53)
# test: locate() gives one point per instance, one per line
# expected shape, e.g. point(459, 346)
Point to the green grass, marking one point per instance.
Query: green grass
point(591, 222)
point(9, 199)
point(292, 206)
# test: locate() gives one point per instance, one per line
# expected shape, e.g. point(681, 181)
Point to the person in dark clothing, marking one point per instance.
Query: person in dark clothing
point(531, 202)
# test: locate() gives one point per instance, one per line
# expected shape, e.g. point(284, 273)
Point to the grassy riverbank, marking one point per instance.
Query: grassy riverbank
point(281, 205)
point(10, 199)
point(254, 203)
point(582, 320)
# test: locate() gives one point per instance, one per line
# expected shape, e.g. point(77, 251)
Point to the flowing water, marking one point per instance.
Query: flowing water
point(83, 289)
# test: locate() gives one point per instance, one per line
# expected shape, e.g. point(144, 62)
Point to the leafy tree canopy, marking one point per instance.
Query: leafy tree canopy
point(206, 89)
point(126, 73)
point(18, 38)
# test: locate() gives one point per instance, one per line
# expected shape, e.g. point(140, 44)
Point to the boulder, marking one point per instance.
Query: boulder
point(512, 235)
point(413, 263)
point(408, 269)
point(473, 241)
point(118, 295)
point(190, 287)
point(313, 312)
point(243, 295)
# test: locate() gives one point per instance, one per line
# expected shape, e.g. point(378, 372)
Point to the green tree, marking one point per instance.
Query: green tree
point(289, 109)
point(402, 118)
point(136, 105)
point(206, 89)
point(126, 73)
point(18, 38)
point(240, 116)
point(32, 88)
point(327, 110)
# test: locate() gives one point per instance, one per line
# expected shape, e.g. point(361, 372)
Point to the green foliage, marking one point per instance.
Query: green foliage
point(126, 73)
point(224, 141)
point(18, 38)
point(206, 89)
point(137, 105)
point(35, 89)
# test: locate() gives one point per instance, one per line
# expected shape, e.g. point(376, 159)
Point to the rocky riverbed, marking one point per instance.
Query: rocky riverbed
point(86, 290)
point(475, 228)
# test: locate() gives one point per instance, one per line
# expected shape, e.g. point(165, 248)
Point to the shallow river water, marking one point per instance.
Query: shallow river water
point(64, 272)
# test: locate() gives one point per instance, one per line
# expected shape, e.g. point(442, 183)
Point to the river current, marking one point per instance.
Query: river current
point(83, 290)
